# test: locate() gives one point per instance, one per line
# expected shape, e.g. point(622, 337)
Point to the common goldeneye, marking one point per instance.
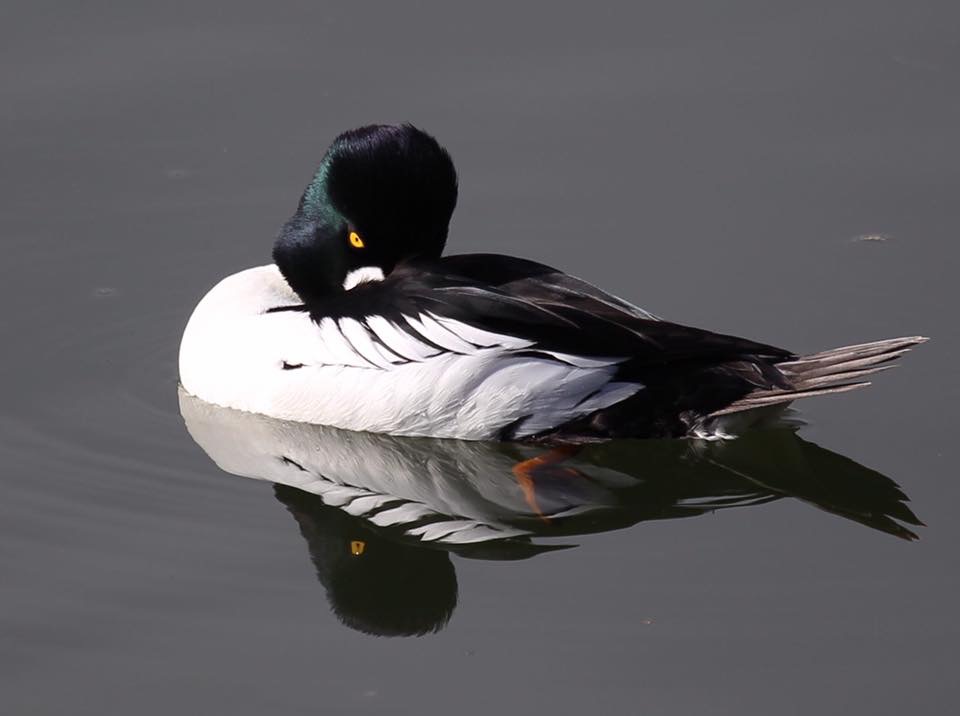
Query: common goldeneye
point(361, 323)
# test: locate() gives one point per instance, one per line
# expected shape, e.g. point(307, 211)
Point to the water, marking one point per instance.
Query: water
point(716, 165)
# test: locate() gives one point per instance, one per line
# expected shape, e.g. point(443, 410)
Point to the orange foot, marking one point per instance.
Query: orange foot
point(525, 472)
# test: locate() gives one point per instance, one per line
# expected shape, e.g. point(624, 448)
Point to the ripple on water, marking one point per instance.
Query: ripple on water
point(91, 430)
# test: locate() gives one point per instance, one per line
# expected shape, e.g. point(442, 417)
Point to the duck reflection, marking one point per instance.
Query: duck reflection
point(374, 584)
point(381, 515)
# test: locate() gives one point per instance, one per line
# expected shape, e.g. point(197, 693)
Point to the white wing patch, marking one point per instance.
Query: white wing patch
point(399, 341)
point(338, 347)
point(359, 337)
point(584, 361)
point(377, 342)
point(469, 376)
point(480, 337)
point(430, 329)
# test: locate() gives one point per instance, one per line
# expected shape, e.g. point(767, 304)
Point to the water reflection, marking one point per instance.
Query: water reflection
point(381, 515)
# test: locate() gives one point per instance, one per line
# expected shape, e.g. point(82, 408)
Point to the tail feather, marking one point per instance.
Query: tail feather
point(815, 369)
point(804, 382)
point(865, 353)
point(833, 371)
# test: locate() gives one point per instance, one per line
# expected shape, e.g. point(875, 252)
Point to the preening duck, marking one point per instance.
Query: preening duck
point(362, 324)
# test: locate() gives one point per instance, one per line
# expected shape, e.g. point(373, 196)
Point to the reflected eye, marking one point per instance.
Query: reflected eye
point(357, 546)
point(355, 240)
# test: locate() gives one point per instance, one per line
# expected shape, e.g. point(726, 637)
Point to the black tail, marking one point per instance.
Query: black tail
point(833, 371)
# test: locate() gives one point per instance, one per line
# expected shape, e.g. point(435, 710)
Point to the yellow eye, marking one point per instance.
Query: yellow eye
point(355, 240)
point(357, 547)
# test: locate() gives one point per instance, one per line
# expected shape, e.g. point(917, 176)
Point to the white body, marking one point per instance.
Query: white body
point(233, 354)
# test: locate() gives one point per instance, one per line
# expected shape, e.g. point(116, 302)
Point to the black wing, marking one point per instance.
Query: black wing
point(555, 312)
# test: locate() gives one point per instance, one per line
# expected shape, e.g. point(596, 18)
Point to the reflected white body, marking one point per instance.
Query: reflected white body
point(234, 354)
point(449, 491)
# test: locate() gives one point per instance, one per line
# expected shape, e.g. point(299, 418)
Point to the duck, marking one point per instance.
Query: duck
point(362, 323)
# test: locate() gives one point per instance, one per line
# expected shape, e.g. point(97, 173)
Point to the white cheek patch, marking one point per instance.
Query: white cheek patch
point(362, 275)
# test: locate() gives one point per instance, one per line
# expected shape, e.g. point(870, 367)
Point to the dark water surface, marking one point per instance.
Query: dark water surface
point(715, 163)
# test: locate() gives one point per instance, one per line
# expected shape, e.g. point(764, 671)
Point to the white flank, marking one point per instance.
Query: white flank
point(432, 376)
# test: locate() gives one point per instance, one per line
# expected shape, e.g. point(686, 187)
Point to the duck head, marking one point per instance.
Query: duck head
point(382, 194)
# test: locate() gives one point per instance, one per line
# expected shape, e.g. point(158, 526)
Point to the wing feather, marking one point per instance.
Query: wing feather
point(337, 346)
point(362, 342)
point(399, 341)
point(430, 329)
point(463, 304)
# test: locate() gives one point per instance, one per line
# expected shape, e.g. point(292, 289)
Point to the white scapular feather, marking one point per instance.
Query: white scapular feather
point(430, 329)
point(338, 349)
point(399, 341)
point(360, 339)
point(480, 337)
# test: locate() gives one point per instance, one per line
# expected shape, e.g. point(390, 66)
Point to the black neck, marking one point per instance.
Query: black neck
point(306, 262)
